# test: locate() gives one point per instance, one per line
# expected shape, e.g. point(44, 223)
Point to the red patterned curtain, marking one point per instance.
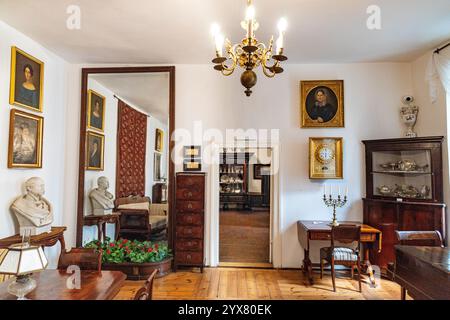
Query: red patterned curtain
point(131, 145)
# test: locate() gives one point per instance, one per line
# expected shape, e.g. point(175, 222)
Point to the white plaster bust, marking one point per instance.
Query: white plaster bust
point(102, 201)
point(33, 211)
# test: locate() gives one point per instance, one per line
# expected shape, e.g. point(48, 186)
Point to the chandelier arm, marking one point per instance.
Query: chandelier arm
point(228, 70)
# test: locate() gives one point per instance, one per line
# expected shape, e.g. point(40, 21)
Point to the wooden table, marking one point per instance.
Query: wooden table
point(423, 271)
point(320, 230)
point(51, 285)
point(101, 221)
point(46, 239)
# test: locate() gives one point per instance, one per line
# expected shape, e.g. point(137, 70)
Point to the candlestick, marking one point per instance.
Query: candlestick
point(334, 203)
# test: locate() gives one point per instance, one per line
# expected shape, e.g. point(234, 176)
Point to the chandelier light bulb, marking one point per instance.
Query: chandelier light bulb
point(215, 29)
point(282, 25)
point(219, 38)
point(250, 13)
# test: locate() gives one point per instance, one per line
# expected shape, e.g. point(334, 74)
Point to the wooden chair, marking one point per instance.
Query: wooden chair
point(86, 259)
point(146, 292)
point(134, 217)
point(420, 239)
point(348, 255)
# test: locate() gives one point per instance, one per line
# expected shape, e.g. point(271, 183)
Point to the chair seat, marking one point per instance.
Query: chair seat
point(339, 254)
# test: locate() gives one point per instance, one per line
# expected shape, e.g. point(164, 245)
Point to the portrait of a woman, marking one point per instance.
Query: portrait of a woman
point(26, 80)
point(322, 103)
point(96, 110)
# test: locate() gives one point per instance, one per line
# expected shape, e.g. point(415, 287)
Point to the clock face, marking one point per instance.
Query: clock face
point(325, 154)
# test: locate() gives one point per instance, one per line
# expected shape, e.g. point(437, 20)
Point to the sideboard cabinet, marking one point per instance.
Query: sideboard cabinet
point(404, 189)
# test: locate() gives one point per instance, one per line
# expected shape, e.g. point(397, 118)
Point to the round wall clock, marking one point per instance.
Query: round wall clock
point(325, 153)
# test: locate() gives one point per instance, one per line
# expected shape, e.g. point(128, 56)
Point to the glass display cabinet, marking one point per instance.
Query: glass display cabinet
point(404, 189)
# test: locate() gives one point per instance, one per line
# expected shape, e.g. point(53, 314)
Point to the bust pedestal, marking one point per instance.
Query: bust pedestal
point(101, 212)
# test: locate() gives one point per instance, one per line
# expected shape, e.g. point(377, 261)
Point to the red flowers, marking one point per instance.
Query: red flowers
point(156, 246)
point(149, 250)
point(112, 245)
point(108, 251)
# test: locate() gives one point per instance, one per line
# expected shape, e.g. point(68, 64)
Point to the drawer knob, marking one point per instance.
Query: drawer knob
point(189, 194)
point(189, 205)
point(190, 244)
point(188, 257)
point(189, 231)
point(189, 219)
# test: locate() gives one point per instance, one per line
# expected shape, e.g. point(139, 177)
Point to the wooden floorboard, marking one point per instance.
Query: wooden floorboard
point(259, 284)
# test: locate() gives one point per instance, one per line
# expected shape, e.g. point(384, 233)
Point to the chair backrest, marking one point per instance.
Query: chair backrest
point(346, 234)
point(146, 291)
point(420, 238)
point(85, 258)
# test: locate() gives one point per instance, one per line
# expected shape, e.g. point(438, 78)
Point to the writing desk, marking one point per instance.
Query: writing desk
point(320, 230)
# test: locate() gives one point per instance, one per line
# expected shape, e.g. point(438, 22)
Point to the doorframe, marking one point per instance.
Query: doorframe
point(212, 232)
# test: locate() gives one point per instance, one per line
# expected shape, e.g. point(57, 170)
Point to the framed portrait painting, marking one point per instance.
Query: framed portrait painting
point(96, 111)
point(322, 103)
point(259, 170)
point(159, 136)
point(27, 80)
point(95, 152)
point(25, 140)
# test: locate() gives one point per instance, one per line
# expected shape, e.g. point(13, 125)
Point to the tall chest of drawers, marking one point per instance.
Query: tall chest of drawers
point(189, 220)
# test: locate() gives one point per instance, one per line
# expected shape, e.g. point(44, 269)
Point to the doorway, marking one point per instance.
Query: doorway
point(245, 207)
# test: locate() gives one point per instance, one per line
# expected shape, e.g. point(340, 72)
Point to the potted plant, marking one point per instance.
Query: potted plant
point(137, 259)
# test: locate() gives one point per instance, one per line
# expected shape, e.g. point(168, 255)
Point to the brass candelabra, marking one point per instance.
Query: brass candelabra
point(338, 202)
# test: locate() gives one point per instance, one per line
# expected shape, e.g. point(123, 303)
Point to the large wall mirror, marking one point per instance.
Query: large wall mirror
point(126, 175)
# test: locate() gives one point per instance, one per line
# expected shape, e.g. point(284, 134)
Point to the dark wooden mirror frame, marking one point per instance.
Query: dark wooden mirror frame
point(85, 72)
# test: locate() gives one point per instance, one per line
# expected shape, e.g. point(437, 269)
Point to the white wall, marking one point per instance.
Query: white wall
point(11, 180)
point(372, 101)
point(152, 124)
point(433, 118)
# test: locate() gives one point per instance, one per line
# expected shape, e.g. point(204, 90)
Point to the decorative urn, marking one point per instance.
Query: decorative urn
point(409, 113)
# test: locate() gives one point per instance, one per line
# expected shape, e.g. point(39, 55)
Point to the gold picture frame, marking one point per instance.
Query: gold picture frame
point(326, 158)
point(96, 122)
point(25, 140)
point(95, 155)
point(322, 104)
point(24, 91)
point(159, 136)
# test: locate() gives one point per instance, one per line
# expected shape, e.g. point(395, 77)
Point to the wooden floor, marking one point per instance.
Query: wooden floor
point(265, 284)
point(244, 236)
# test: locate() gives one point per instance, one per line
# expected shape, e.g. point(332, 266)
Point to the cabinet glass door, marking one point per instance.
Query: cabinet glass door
point(402, 174)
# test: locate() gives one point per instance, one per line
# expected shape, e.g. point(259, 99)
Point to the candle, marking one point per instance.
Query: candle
point(282, 26)
point(324, 189)
point(346, 191)
point(339, 190)
point(219, 44)
point(249, 16)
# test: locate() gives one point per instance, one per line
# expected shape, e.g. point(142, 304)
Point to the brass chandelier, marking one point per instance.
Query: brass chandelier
point(250, 53)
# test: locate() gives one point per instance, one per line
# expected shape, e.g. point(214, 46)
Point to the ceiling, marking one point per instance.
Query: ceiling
point(178, 31)
point(147, 91)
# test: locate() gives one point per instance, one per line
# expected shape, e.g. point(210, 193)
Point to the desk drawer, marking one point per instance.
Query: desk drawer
point(320, 236)
point(193, 193)
point(368, 237)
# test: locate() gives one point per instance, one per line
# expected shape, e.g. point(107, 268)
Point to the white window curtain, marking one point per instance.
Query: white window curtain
point(439, 70)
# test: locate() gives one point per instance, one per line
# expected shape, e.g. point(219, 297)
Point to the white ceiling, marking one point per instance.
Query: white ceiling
point(178, 31)
point(146, 91)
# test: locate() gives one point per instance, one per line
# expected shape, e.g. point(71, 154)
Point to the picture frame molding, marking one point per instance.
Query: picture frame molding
point(159, 138)
point(12, 85)
point(89, 99)
point(39, 142)
point(340, 114)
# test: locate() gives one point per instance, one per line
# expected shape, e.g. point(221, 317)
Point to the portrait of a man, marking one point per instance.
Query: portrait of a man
point(25, 146)
point(95, 152)
point(322, 103)
point(26, 80)
point(96, 110)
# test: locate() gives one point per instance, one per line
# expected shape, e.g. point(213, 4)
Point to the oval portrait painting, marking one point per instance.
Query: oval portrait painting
point(321, 104)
